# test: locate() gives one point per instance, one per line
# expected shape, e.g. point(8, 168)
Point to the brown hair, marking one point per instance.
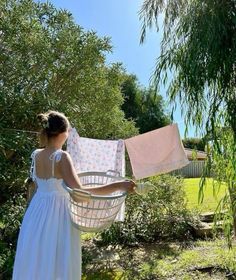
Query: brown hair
point(53, 123)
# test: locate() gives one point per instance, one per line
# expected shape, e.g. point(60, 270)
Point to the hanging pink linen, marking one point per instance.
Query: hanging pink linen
point(155, 152)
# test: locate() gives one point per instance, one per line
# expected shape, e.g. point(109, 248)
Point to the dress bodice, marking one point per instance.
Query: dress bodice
point(51, 185)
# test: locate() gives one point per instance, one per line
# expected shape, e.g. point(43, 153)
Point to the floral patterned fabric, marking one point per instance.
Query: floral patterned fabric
point(96, 155)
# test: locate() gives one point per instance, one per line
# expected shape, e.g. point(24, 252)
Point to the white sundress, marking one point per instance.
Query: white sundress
point(48, 246)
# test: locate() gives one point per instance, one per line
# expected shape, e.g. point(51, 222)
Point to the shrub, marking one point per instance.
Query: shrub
point(161, 214)
point(11, 214)
point(15, 150)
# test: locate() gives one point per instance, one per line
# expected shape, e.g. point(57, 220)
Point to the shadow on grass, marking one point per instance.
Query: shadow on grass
point(113, 262)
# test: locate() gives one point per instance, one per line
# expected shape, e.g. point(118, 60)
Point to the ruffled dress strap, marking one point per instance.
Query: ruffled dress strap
point(32, 168)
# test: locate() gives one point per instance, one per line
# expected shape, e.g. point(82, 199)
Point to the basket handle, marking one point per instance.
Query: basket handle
point(113, 173)
point(80, 196)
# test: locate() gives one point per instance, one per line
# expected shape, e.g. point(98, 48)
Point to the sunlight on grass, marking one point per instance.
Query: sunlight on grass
point(87, 235)
point(105, 275)
point(202, 254)
point(210, 202)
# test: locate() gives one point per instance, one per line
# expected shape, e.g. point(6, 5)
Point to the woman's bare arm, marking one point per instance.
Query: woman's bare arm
point(68, 172)
point(128, 186)
point(71, 179)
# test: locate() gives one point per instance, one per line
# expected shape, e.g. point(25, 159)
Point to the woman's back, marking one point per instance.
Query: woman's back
point(46, 171)
point(47, 163)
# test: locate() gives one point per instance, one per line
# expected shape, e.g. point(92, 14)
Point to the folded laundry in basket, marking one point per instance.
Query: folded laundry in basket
point(155, 152)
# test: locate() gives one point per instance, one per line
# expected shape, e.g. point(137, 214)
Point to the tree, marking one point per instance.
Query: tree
point(48, 62)
point(194, 143)
point(198, 58)
point(143, 105)
point(131, 91)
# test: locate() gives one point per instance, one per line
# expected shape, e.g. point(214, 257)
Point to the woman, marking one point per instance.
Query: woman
point(48, 246)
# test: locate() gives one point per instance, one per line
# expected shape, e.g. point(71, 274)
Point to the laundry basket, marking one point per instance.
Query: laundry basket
point(92, 213)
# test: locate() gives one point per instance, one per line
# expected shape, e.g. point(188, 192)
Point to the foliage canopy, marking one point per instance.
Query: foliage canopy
point(143, 105)
point(198, 60)
point(49, 62)
point(194, 143)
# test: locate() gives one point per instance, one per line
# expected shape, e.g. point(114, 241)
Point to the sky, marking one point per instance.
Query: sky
point(119, 20)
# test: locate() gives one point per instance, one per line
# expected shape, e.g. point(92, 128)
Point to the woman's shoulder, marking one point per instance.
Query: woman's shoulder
point(58, 155)
point(35, 152)
point(66, 158)
point(65, 155)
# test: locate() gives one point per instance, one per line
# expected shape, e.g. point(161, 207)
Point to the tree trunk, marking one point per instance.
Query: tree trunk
point(232, 192)
point(233, 179)
point(231, 112)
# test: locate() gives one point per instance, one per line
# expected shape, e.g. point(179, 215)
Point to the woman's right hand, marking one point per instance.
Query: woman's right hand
point(129, 186)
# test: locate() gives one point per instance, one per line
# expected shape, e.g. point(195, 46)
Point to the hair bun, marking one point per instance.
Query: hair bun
point(53, 123)
point(43, 119)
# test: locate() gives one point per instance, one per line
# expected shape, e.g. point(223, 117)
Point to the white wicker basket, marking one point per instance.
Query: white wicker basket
point(92, 213)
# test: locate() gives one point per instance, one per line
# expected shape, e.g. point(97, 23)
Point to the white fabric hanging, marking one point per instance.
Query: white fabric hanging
point(97, 155)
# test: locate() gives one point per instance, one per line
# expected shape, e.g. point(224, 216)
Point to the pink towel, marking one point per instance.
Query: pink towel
point(155, 152)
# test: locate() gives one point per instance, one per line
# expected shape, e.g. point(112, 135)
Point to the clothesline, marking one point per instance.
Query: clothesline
point(35, 132)
point(19, 130)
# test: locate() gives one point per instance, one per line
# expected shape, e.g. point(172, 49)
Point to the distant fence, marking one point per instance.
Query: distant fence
point(193, 170)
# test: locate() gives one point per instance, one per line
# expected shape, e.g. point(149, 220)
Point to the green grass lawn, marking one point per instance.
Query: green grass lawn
point(210, 202)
